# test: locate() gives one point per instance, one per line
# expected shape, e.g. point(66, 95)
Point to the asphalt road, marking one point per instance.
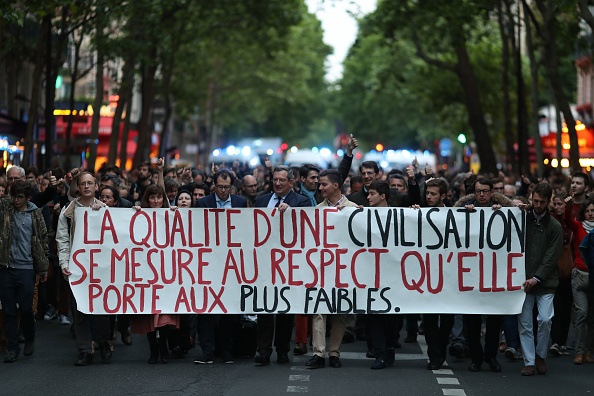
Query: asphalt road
point(50, 371)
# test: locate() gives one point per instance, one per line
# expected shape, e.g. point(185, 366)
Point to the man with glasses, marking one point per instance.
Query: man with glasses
point(23, 254)
point(283, 197)
point(249, 186)
point(483, 197)
point(207, 323)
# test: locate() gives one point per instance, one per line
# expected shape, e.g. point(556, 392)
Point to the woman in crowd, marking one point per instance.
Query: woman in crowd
point(157, 326)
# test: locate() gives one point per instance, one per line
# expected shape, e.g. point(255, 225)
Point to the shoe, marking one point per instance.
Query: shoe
point(434, 364)
point(494, 365)
point(378, 364)
point(63, 319)
point(457, 351)
point(474, 367)
point(262, 359)
point(164, 360)
point(50, 313)
point(29, 348)
point(11, 357)
point(153, 359)
point(127, 339)
point(578, 359)
point(316, 362)
point(554, 350)
point(334, 362)
point(502, 346)
point(282, 358)
point(512, 354)
point(370, 355)
point(105, 352)
point(228, 358)
point(411, 337)
point(204, 359)
point(541, 365)
point(178, 352)
point(589, 358)
point(398, 345)
point(390, 356)
point(84, 359)
point(300, 349)
point(348, 338)
point(527, 371)
point(564, 350)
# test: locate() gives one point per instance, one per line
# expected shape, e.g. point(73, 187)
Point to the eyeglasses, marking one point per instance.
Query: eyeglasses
point(13, 178)
point(224, 188)
point(20, 196)
point(479, 192)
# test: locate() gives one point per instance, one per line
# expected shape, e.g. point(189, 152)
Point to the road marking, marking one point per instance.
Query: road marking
point(453, 392)
point(298, 368)
point(448, 381)
point(299, 378)
point(297, 389)
point(443, 380)
point(399, 356)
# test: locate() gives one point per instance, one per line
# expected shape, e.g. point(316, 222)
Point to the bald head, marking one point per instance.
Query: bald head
point(249, 186)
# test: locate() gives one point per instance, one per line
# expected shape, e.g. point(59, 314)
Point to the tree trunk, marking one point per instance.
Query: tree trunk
point(35, 90)
point(94, 137)
point(505, 84)
point(548, 30)
point(474, 106)
point(148, 95)
point(125, 93)
point(125, 134)
point(533, 124)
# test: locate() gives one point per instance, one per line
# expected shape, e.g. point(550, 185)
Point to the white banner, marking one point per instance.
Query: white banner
point(311, 260)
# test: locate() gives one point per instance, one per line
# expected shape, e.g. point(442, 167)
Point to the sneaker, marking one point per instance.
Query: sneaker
point(29, 348)
point(564, 350)
point(204, 360)
point(378, 364)
point(63, 319)
point(555, 350)
point(228, 358)
point(513, 354)
point(50, 313)
point(11, 357)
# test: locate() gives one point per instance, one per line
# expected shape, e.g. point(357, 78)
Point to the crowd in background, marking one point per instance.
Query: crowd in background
point(55, 192)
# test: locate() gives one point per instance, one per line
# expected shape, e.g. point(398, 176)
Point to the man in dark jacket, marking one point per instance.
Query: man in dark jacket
point(544, 242)
point(283, 197)
point(207, 323)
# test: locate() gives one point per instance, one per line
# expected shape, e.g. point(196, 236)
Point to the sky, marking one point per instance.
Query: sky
point(340, 28)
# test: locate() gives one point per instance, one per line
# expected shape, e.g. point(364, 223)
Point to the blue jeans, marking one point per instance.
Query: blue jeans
point(17, 287)
point(544, 303)
point(510, 329)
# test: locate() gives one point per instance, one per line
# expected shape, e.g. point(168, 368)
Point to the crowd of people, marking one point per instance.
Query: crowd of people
point(36, 211)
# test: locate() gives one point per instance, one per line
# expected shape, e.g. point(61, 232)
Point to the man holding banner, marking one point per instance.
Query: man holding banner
point(544, 242)
point(282, 198)
point(437, 326)
point(330, 182)
point(87, 186)
point(483, 197)
point(207, 323)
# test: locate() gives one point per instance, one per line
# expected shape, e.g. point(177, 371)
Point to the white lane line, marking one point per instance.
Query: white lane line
point(294, 377)
point(399, 356)
point(298, 368)
point(297, 389)
point(447, 381)
point(443, 372)
point(453, 392)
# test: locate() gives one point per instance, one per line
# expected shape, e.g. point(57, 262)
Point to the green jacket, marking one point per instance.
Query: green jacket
point(39, 242)
point(544, 242)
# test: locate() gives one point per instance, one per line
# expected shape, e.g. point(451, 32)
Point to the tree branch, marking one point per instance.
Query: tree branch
point(429, 60)
point(585, 13)
point(532, 17)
